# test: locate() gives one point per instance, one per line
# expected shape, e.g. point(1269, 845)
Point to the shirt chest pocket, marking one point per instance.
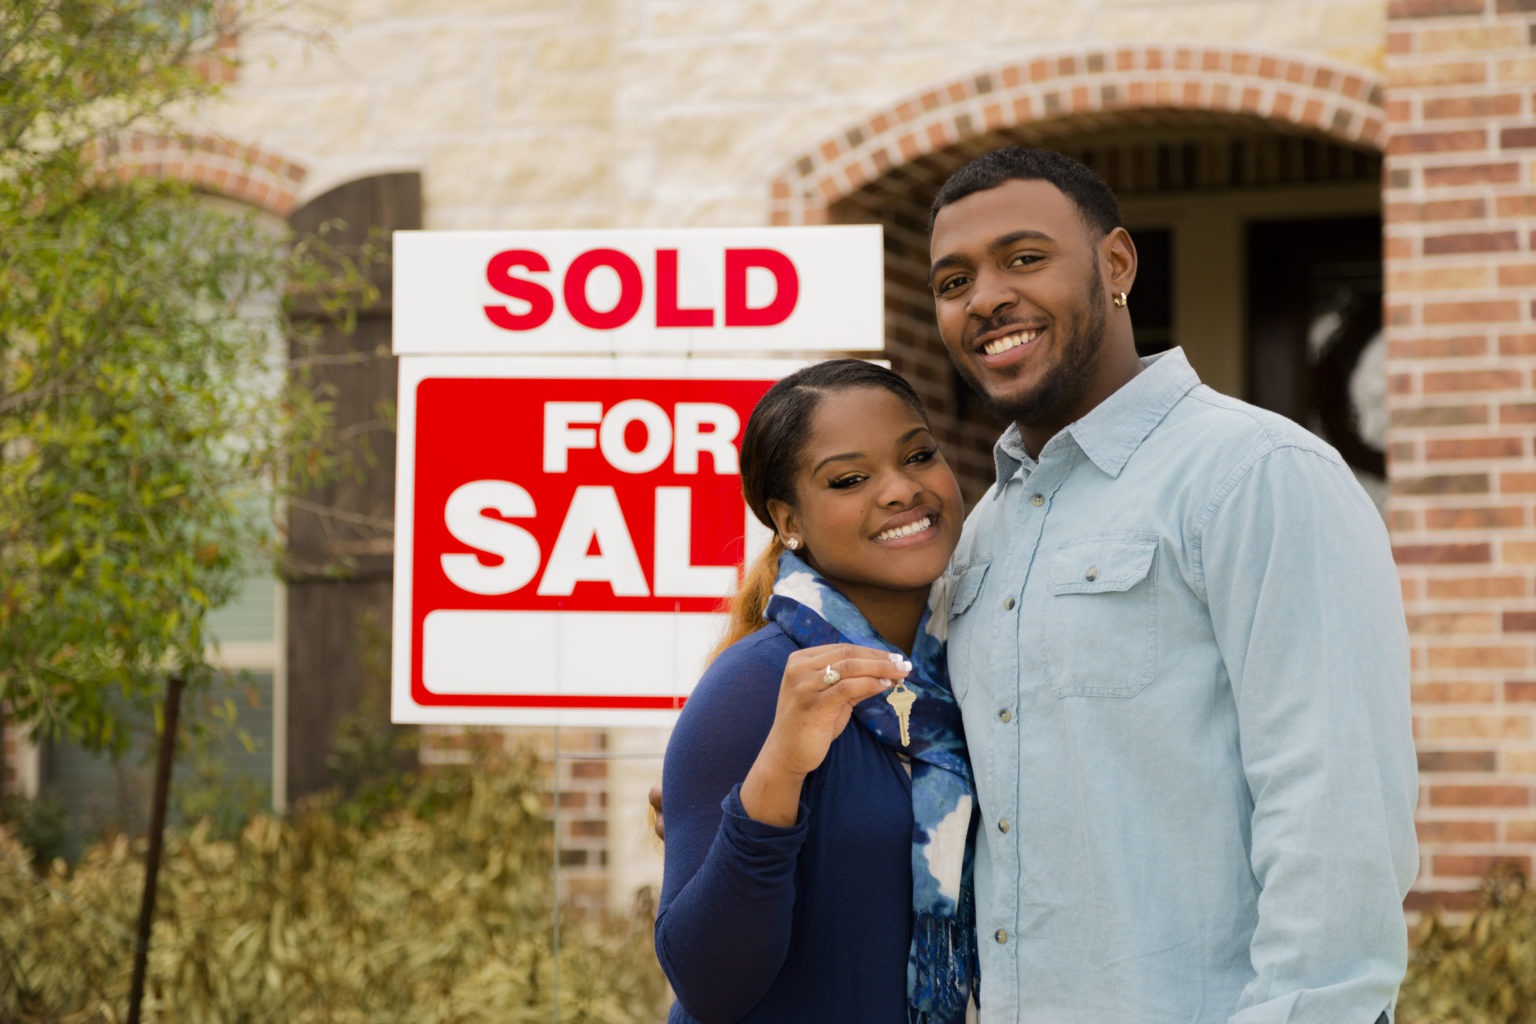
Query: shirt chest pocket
point(1099, 628)
point(959, 592)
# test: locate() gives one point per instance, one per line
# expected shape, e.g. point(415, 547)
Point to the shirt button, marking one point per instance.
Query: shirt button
point(1007, 604)
point(1001, 936)
point(1037, 500)
point(1092, 573)
point(1005, 716)
point(1002, 825)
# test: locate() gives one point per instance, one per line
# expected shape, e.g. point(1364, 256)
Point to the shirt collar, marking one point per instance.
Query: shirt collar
point(1112, 431)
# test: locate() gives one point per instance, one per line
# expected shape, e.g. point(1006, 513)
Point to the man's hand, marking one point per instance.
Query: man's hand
point(654, 798)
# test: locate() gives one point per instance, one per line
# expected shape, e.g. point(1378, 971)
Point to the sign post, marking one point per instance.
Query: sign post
point(569, 526)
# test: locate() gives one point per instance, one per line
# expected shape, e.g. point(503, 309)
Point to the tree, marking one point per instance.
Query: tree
point(148, 424)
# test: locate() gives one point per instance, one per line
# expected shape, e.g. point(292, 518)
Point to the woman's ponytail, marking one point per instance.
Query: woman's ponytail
point(751, 599)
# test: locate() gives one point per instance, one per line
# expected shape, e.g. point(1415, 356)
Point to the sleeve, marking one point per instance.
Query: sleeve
point(1307, 609)
point(728, 886)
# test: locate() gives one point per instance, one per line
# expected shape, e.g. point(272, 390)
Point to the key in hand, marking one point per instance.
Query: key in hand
point(901, 700)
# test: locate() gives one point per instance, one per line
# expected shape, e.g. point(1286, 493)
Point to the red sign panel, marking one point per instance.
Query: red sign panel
point(537, 496)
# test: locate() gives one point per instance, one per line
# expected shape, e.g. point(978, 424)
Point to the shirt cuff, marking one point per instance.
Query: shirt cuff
point(744, 829)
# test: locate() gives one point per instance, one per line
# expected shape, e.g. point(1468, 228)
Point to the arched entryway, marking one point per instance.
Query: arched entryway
point(1250, 180)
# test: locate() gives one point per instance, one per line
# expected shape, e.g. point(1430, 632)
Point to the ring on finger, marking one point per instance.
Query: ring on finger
point(830, 676)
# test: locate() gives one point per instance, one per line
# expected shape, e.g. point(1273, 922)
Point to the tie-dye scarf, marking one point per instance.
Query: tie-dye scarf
point(941, 966)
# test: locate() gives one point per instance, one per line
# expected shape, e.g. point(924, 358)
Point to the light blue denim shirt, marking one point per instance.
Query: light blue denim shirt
point(1178, 641)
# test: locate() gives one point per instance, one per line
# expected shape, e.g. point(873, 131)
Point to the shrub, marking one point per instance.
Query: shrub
point(1482, 971)
point(437, 911)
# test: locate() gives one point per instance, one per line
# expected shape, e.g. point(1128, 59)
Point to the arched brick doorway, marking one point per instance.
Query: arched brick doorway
point(221, 167)
point(1203, 145)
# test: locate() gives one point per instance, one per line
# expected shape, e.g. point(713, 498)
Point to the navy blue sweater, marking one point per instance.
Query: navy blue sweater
point(757, 923)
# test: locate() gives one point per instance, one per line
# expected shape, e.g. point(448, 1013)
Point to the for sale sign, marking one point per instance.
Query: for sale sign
point(566, 542)
point(569, 525)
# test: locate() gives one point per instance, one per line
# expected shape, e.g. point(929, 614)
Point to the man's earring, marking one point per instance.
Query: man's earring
point(793, 543)
point(1120, 300)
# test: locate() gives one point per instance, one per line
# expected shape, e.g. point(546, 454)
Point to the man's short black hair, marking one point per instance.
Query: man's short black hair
point(1094, 200)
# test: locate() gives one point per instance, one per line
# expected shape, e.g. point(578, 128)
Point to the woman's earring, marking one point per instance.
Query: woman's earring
point(1120, 300)
point(793, 543)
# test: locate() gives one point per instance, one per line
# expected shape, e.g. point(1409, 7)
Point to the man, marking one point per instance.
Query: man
point(1177, 638)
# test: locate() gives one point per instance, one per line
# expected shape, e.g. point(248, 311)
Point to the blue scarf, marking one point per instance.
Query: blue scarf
point(941, 966)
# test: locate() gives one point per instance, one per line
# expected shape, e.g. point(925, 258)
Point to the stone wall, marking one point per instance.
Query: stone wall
point(600, 113)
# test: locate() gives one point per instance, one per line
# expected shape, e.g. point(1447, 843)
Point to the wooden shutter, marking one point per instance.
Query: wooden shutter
point(341, 537)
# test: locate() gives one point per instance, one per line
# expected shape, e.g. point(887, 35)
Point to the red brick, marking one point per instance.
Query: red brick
point(1441, 416)
point(1457, 761)
point(1517, 344)
point(1517, 138)
point(1472, 241)
point(1472, 174)
point(1464, 278)
point(1519, 622)
point(1520, 692)
point(1457, 831)
point(1451, 624)
point(1399, 248)
point(1457, 141)
point(1479, 727)
point(1454, 865)
point(1398, 10)
point(1443, 554)
point(1431, 74)
point(1495, 518)
point(1504, 105)
point(1518, 414)
point(1460, 483)
point(1520, 275)
point(1490, 587)
point(1517, 206)
point(1440, 901)
point(1489, 312)
point(1517, 831)
point(1476, 448)
point(1517, 483)
point(1453, 693)
point(1479, 796)
point(1473, 380)
point(1479, 656)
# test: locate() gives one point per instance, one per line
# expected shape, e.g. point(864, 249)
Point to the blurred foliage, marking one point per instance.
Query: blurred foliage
point(1481, 971)
point(149, 419)
point(438, 910)
point(39, 824)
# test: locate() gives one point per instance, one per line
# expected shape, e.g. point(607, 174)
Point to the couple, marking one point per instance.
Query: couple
point(1134, 746)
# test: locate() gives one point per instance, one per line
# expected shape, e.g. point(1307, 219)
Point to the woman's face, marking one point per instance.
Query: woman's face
point(876, 507)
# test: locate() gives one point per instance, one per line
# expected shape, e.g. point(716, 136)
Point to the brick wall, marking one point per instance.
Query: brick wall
point(1460, 262)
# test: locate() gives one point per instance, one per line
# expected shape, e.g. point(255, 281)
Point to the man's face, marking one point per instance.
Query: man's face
point(1019, 293)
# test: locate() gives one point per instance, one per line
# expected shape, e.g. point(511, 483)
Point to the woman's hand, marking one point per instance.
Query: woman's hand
point(810, 715)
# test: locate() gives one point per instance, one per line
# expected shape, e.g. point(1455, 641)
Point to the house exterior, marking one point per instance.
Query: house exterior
point(1334, 201)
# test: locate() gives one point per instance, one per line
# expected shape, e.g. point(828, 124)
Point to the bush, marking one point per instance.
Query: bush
point(438, 911)
point(1482, 971)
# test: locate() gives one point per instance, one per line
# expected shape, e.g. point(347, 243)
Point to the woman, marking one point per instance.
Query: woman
point(818, 801)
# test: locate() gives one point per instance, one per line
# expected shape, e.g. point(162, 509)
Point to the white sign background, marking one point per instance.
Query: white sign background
point(443, 288)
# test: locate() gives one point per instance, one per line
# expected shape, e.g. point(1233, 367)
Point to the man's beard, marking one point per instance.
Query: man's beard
point(1066, 381)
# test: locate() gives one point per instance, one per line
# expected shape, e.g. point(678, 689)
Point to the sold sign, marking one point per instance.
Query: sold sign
point(704, 290)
